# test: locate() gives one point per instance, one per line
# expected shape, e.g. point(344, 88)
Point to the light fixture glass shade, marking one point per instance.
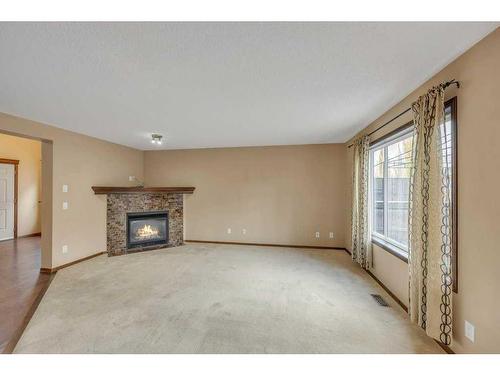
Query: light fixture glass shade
point(156, 139)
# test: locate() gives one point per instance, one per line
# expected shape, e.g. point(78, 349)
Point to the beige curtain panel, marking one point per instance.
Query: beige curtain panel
point(361, 249)
point(430, 304)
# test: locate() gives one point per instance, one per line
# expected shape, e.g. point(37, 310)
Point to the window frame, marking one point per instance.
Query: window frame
point(383, 241)
point(452, 104)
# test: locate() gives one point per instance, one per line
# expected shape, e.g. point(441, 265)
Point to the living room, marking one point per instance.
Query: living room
point(204, 187)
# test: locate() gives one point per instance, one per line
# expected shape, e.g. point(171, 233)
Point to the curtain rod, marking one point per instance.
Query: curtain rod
point(445, 85)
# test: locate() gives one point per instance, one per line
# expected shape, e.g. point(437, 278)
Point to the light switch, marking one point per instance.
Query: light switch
point(65, 205)
point(65, 249)
point(65, 188)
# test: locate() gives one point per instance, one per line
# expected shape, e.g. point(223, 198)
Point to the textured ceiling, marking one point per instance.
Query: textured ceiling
point(220, 84)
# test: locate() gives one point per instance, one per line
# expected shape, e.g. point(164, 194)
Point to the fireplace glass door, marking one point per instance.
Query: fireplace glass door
point(147, 229)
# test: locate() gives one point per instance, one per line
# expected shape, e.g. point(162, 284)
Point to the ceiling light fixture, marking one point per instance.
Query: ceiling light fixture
point(156, 139)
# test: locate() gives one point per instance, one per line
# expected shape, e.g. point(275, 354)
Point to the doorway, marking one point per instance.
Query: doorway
point(21, 205)
point(8, 198)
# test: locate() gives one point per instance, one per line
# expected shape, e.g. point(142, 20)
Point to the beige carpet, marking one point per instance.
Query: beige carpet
point(219, 299)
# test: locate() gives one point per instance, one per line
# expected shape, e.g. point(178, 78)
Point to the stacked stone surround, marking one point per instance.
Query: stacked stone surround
point(119, 204)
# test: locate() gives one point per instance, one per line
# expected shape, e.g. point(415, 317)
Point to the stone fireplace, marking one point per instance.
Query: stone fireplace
point(140, 219)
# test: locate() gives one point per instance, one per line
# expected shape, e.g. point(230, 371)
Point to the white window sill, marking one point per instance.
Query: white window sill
point(394, 250)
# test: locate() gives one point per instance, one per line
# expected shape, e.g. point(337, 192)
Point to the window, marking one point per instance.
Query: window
point(390, 163)
point(449, 142)
point(390, 166)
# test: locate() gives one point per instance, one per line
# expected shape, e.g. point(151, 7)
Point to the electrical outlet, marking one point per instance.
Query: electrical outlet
point(317, 234)
point(244, 231)
point(469, 331)
point(64, 249)
point(228, 230)
point(65, 188)
point(65, 205)
point(331, 234)
point(131, 178)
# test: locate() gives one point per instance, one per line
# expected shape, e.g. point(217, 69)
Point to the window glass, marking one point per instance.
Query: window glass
point(398, 185)
point(390, 171)
point(447, 155)
point(446, 144)
point(378, 191)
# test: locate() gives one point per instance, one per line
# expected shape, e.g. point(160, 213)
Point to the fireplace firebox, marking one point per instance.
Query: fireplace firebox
point(147, 229)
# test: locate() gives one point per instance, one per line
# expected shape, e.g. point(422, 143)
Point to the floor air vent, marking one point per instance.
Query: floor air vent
point(380, 300)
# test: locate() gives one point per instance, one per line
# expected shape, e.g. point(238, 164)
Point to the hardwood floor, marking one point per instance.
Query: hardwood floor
point(21, 287)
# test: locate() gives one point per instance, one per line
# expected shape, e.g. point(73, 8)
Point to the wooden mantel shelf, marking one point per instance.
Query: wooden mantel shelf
point(139, 189)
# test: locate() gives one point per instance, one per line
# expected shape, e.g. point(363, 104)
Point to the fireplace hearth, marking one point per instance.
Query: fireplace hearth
point(146, 229)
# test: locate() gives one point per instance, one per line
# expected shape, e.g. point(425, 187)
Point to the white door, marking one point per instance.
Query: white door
point(6, 201)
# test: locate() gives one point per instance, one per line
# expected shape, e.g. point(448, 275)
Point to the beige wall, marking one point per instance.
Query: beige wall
point(80, 162)
point(280, 195)
point(391, 270)
point(478, 71)
point(29, 154)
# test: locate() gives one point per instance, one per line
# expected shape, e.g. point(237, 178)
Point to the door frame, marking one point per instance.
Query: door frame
point(16, 167)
